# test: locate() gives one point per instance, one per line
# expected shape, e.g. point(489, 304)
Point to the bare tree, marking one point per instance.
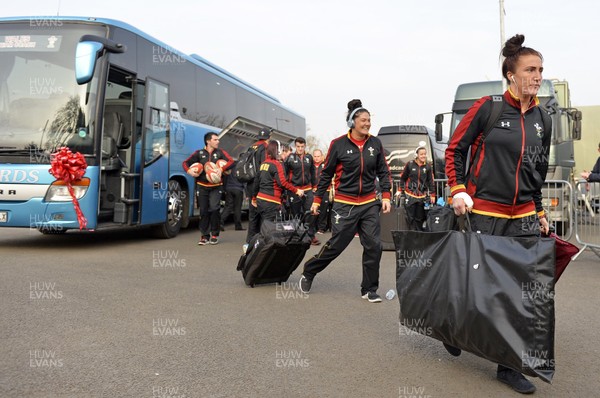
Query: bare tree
point(313, 142)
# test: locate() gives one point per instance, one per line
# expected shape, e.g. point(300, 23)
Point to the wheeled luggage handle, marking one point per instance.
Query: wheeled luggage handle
point(302, 221)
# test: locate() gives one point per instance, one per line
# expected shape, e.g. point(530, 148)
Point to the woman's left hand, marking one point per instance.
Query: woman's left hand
point(544, 226)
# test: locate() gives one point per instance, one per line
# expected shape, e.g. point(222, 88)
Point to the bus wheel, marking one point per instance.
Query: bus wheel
point(170, 228)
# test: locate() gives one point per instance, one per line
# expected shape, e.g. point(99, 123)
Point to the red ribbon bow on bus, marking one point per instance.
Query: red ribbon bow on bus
point(69, 167)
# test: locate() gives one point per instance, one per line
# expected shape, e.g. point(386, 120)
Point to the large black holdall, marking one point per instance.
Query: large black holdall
point(275, 253)
point(490, 295)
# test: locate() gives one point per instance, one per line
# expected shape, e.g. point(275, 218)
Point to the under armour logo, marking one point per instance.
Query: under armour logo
point(505, 124)
point(349, 151)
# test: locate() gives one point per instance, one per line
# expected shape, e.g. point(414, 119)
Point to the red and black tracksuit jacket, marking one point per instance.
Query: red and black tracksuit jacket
point(506, 178)
point(355, 165)
point(203, 156)
point(318, 170)
point(301, 171)
point(417, 180)
point(272, 181)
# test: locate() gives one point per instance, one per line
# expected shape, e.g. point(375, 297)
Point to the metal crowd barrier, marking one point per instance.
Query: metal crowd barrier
point(587, 216)
point(557, 200)
point(557, 197)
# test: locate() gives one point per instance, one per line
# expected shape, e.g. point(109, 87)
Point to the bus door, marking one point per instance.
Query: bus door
point(154, 154)
point(117, 156)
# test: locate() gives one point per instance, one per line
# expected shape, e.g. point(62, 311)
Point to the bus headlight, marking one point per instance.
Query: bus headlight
point(59, 192)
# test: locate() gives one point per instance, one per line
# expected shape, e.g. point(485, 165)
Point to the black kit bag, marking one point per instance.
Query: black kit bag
point(441, 218)
point(275, 253)
point(489, 295)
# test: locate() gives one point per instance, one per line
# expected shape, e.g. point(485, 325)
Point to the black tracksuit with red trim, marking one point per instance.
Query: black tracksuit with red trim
point(324, 208)
point(203, 156)
point(356, 165)
point(301, 173)
point(417, 180)
point(417, 183)
point(251, 188)
point(505, 181)
point(209, 194)
point(355, 171)
point(271, 183)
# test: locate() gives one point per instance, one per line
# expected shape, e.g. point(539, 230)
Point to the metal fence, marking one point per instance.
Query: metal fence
point(556, 198)
point(587, 216)
point(570, 211)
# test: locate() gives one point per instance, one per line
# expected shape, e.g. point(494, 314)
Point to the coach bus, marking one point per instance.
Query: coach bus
point(134, 107)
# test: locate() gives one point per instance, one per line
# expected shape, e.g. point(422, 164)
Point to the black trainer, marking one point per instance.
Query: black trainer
point(305, 284)
point(515, 380)
point(372, 297)
point(452, 350)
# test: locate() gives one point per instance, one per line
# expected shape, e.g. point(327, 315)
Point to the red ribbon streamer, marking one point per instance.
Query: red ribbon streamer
point(70, 167)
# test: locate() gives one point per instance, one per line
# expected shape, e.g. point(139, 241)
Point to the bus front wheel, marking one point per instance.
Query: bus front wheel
point(170, 228)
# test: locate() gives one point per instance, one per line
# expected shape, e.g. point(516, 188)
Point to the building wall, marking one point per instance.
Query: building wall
point(586, 151)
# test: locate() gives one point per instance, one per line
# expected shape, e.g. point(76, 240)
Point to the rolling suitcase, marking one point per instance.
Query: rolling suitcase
point(275, 252)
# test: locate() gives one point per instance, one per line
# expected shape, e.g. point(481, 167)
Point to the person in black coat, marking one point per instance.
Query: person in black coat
point(594, 175)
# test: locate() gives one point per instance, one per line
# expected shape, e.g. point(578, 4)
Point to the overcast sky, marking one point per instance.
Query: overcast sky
point(403, 59)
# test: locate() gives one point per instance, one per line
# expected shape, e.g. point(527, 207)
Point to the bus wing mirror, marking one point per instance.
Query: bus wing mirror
point(86, 54)
point(576, 133)
point(439, 119)
point(88, 50)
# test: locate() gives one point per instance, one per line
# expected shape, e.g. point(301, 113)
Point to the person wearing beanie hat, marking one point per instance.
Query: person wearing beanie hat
point(253, 218)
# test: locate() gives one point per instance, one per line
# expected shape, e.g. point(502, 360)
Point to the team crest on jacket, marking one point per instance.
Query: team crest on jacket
point(371, 150)
point(539, 130)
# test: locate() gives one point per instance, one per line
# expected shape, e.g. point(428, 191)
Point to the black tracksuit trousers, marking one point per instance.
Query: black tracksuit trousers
point(346, 220)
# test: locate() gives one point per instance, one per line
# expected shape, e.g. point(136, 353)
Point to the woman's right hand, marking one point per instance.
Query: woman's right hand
point(300, 192)
point(314, 209)
point(462, 202)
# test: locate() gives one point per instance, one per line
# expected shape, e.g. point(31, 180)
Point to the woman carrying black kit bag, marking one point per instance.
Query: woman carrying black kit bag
point(503, 186)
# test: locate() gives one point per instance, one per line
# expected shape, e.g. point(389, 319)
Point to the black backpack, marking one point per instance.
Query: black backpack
point(247, 169)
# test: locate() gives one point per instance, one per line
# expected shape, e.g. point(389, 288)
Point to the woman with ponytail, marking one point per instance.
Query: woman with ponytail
point(502, 187)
